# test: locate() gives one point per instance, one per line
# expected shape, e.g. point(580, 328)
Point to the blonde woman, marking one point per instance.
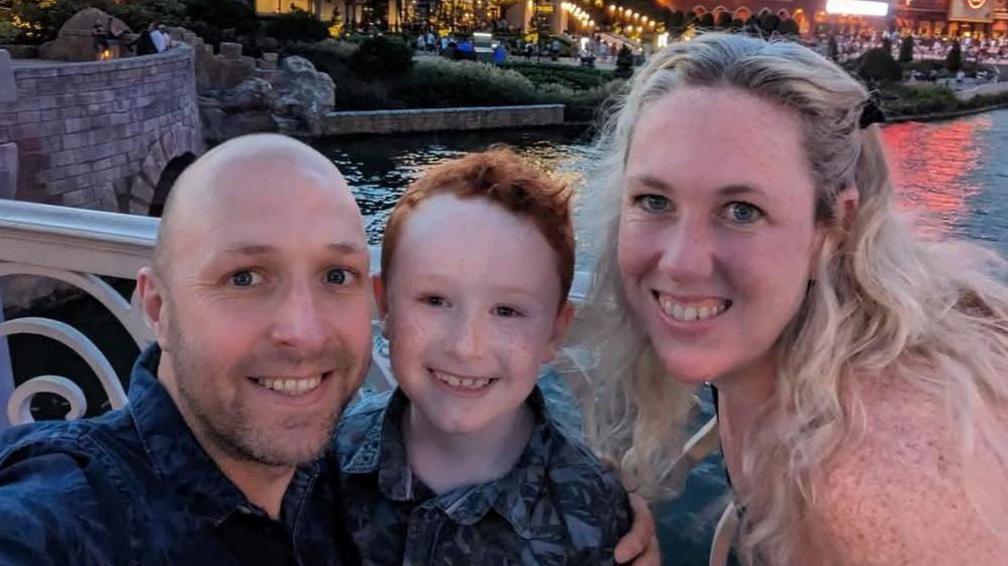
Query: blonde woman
point(751, 242)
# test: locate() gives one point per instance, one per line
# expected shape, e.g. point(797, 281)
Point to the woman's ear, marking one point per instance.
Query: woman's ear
point(829, 237)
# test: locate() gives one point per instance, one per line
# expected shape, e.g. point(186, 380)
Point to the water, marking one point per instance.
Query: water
point(954, 173)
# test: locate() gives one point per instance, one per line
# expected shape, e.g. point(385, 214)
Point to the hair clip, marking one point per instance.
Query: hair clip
point(871, 113)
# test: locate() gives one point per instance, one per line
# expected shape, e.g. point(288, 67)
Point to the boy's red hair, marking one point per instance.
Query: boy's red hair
point(500, 176)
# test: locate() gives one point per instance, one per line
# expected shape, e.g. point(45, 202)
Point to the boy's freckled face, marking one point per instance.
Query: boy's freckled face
point(472, 298)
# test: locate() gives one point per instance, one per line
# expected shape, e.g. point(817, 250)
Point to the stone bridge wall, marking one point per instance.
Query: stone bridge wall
point(98, 134)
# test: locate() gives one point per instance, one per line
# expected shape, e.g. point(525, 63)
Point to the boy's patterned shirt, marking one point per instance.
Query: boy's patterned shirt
point(557, 505)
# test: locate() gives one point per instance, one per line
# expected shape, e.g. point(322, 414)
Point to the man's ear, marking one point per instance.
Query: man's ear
point(152, 293)
point(381, 301)
point(560, 326)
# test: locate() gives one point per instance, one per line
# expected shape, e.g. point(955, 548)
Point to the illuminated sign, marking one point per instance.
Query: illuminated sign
point(858, 7)
point(976, 4)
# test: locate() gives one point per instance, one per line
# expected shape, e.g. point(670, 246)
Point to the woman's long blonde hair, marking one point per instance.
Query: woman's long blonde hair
point(885, 304)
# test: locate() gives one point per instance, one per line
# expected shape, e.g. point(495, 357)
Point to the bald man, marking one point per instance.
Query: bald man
point(258, 298)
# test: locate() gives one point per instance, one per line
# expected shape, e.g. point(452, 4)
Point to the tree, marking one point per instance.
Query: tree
point(769, 23)
point(381, 56)
point(724, 20)
point(707, 20)
point(878, 65)
point(906, 49)
point(297, 25)
point(788, 27)
point(624, 62)
point(954, 58)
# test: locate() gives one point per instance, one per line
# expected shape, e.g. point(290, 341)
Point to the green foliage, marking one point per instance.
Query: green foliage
point(769, 23)
point(381, 56)
point(8, 32)
point(592, 104)
point(906, 49)
point(723, 20)
point(913, 100)
point(573, 78)
point(953, 61)
point(879, 65)
point(707, 20)
point(297, 25)
point(624, 62)
point(41, 20)
point(138, 14)
point(330, 56)
point(440, 82)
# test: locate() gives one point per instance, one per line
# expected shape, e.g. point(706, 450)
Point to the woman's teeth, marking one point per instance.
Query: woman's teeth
point(691, 312)
point(463, 382)
point(290, 386)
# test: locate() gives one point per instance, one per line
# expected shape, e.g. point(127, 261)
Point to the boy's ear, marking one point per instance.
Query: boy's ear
point(378, 288)
point(560, 326)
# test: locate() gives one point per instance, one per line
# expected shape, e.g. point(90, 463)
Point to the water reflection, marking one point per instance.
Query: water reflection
point(953, 174)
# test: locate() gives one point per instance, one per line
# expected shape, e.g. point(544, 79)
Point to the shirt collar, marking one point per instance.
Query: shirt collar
point(512, 496)
point(181, 462)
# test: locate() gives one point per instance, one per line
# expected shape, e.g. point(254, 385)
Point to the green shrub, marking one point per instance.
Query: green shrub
point(330, 56)
point(8, 32)
point(297, 25)
point(788, 27)
point(575, 78)
point(440, 82)
point(139, 14)
point(593, 104)
point(878, 65)
point(381, 56)
point(912, 100)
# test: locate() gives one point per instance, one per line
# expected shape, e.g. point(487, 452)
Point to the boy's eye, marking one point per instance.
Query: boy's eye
point(743, 212)
point(245, 278)
point(652, 202)
point(339, 276)
point(506, 312)
point(434, 300)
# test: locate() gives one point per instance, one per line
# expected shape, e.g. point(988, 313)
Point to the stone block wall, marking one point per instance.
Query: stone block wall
point(99, 134)
point(441, 119)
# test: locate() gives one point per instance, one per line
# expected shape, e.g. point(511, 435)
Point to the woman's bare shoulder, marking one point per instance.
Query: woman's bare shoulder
point(895, 492)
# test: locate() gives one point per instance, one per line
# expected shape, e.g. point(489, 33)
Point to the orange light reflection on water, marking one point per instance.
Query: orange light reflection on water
point(930, 165)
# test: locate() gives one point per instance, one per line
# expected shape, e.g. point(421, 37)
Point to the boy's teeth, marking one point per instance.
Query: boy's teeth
point(463, 382)
point(290, 386)
point(689, 313)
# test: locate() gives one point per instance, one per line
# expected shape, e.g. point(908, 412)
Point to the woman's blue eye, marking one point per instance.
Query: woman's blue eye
point(743, 213)
point(244, 278)
point(652, 203)
point(337, 276)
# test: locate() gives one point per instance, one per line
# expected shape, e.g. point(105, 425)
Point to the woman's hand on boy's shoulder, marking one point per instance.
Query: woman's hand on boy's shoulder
point(640, 545)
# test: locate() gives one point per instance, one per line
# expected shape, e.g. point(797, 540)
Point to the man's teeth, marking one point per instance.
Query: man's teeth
point(290, 386)
point(463, 382)
point(689, 313)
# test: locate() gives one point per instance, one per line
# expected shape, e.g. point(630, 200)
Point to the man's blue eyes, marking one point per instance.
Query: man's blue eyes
point(247, 277)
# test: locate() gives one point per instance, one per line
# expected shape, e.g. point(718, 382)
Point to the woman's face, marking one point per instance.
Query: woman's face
point(717, 231)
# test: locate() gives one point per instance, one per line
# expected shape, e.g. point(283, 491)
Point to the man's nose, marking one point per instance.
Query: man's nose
point(298, 320)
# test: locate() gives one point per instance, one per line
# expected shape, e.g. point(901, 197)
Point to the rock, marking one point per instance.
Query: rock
point(230, 50)
point(8, 170)
point(250, 94)
point(304, 94)
point(248, 123)
point(8, 88)
point(75, 41)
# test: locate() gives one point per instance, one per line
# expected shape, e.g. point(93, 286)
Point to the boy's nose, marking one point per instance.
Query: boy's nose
point(466, 342)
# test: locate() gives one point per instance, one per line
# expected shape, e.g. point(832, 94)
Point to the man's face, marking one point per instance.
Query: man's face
point(266, 315)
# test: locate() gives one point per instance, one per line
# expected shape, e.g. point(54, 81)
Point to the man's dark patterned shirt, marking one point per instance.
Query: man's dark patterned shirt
point(557, 505)
point(134, 487)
